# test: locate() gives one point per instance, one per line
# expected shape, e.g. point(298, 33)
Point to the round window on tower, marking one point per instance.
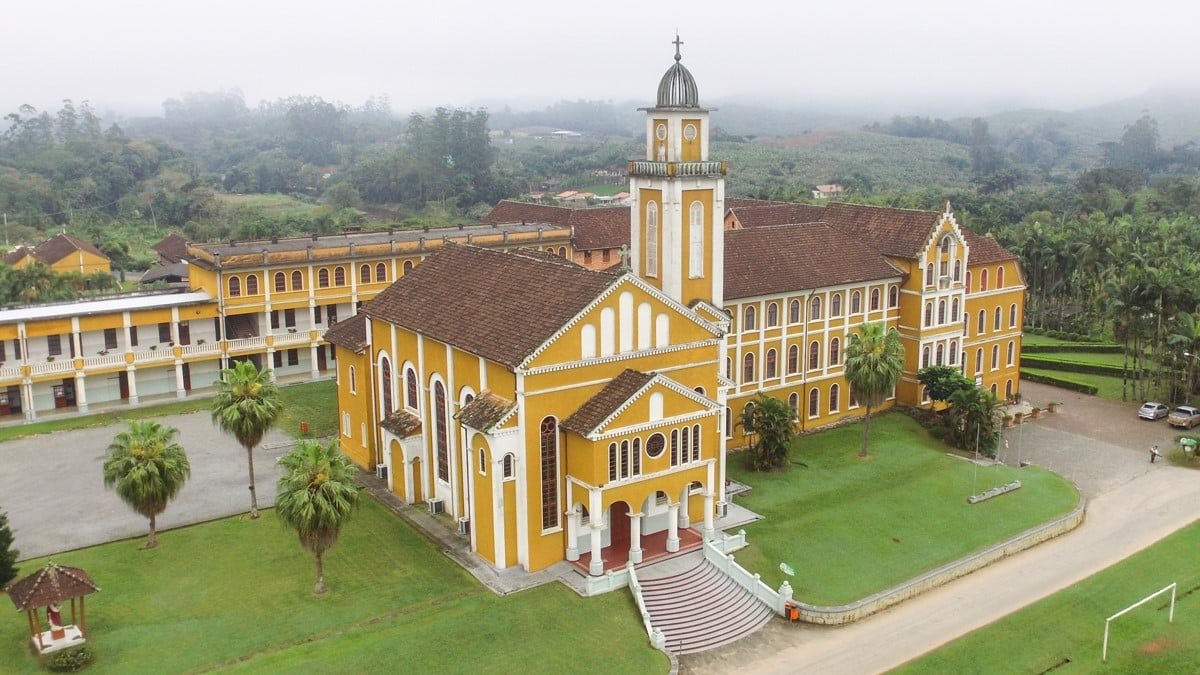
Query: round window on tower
point(655, 445)
point(661, 132)
point(689, 132)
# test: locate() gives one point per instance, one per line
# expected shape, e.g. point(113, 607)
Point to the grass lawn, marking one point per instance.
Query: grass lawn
point(853, 527)
point(238, 592)
point(1117, 360)
point(1108, 386)
point(1069, 625)
point(312, 402)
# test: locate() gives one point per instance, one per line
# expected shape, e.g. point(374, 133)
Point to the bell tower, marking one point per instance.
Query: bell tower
point(677, 232)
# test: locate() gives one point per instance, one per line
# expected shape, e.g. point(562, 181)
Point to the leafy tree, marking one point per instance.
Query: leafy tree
point(1137, 149)
point(874, 362)
point(247, 405)
point(770, 422)
point(941, 382)
point(148, 469)
point(315, 496)
point(973, 417)
point(8, 554)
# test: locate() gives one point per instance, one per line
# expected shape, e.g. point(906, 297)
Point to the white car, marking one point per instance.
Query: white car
point(1185, 416)
point(1153, 410)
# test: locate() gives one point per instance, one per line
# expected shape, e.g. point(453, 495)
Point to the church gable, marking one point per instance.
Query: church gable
point(635, 400)
point(630, 316)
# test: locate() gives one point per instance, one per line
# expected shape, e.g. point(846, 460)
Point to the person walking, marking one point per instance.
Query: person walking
point(1154, 453)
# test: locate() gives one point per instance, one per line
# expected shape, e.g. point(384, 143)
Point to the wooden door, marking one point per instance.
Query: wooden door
point(187, 377)
point(123, 383)
point(619, 526)
point(321, 359)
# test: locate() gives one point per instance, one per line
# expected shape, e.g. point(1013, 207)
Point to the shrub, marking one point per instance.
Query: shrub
point(1089, 389)
point(69, 660)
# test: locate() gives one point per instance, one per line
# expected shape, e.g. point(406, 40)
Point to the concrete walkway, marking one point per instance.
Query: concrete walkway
point(1132, 504)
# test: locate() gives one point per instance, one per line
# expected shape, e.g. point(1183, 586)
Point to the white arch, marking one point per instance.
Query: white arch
point(587, 339)
point(644, 319)
point(662, 330)
point(608, 330)
point(625, 320)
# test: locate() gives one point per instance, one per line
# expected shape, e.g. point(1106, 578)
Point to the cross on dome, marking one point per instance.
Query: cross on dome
point(677, 42)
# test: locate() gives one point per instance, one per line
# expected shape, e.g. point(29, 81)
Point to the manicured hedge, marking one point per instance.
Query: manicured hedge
point(1075, 348)
point(1089, 389)
point(1075, 366)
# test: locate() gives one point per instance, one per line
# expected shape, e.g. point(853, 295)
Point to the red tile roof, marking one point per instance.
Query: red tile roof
point(62, 245)
point(601, 406)
point(14, 256)
point(350, 334)
point(172, 248)
point(777, 214)
point(402, 423)
point(788, 258)
point(896, 232)
point(485, 411)
point(53, 584)
point(508, 211)
point(595, 228)
point(742, 202)
point(496, 304)
point(985, 249)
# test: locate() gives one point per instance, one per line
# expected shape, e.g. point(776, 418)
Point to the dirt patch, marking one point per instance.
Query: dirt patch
point(1156, 646)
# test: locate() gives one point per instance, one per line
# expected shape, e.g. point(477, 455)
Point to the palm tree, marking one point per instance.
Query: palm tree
point(148, 469)
point(973, 417)
point(874, 361)
point(773, 423)
point(247, 405)
point(315, 496)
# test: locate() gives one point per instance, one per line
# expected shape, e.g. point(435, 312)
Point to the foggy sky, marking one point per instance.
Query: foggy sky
point(130, 55)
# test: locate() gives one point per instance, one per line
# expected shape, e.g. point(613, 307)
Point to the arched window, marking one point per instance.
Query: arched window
point(968, 284)
point(794, 311)
point(855, 302)
point(983, 279)
point(940, 355)
point(339, 276)
point(406, 267)
point(482, 462)
point(814, 355)
point(771, 364)
point(982, 322)
point(251, 284)
point(925, 357)
point(794, 404)
point(958, 270)
point(929, 274)
point(613, 462)
point(562, 252)
point(685, 442)
point(410, 388)
point(675, 446)
point(364, 274)
point(695, 442)
point(793, 359)
point(549, 447)
point(235, 287)
point(353, 381)
point(953, 352)
point(941, 312)
point(999, 277)
point(835, 348)
point(297, 281)
point(995, 357)
point(814, 402)
point(835, 305)
point(893, 296)
point(696, 240)
point(772, 314)
point(1011, 352)
point(749, 318)
point(506, 467)
point(1008, 390)
point(874, 299)
point(280, 282)
point(954, 310)
point(729, 367)
point(748, 368)
point(945, 243)
point(996, 319)
point(443, 432)
point(929, 314)
point(993, 388)
point(323, 277)
point(652, 239)
point(979, 360)
point(385, 384)
point(380, 272)
point(834, 395)
point(1012, 315)
point(814, 309)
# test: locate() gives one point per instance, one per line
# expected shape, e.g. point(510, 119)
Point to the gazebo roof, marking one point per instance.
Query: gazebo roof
point(50, 585)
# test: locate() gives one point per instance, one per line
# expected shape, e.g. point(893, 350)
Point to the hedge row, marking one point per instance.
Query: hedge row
point(1076, 367)
point(1061, 334)
point(1072, 348)
point(1089, 389)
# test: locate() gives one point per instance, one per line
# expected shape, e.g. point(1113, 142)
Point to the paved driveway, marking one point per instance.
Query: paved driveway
point(52, 487)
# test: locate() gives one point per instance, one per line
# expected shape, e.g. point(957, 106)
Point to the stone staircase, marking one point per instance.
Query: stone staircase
point(701, 609)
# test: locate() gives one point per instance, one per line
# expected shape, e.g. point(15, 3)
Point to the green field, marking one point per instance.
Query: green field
point(1108, 387)
point(237, 592)
point(848, 526)
point(1066, 630)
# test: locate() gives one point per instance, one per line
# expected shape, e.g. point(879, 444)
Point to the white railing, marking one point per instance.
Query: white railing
point(776, 600)
point(202, 348)
point(259, 342)
point(62, 364)
point(609, 581)
point(104, 361)
point(10, 373)
point(156, 353)
point(299, 337)
point(657, 639)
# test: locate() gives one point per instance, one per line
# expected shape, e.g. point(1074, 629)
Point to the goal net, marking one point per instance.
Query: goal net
point(1139, 603)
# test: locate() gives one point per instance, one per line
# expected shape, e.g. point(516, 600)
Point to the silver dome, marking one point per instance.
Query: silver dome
point(677, 89)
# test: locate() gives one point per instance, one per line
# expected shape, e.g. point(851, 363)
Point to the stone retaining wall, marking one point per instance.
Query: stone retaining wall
point(874, 603)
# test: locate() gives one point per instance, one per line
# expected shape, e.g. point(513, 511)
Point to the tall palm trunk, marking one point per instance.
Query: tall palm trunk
point(253, 494)
point(320, 588)
point(862, 452)
point(152, 539)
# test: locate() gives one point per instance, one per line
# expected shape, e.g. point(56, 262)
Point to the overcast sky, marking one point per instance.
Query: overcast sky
point(130, 55)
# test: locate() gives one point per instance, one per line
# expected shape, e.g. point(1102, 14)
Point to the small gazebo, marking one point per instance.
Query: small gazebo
point(50, 587)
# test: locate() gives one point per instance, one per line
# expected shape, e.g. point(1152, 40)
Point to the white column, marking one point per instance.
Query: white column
point(180, 392)
point(132, 376)
point(312, 358)
point(81, 392)
point(685, 519)
point(27, 397)
point(673, 528)
point(635, 538)
point(709, 531)
point(573, 534)
point(596, 566)
point(410, 482)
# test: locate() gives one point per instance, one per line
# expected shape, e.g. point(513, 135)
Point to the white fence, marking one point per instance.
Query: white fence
point(657, 639)
point(776, 600)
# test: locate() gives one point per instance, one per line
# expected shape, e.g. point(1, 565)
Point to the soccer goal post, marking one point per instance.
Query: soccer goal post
point(1139, 603)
